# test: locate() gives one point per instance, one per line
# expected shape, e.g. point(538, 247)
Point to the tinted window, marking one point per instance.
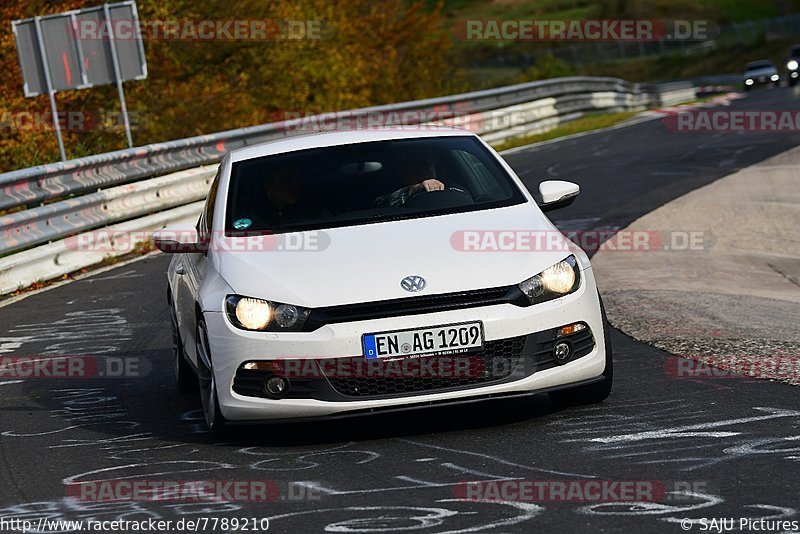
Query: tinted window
point(759, 66)
point(366, 182)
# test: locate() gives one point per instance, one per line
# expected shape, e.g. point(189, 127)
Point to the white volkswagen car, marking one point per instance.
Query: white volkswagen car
point(347, 273)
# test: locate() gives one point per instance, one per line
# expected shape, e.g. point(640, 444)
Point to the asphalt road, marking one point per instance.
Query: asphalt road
point(723, 448)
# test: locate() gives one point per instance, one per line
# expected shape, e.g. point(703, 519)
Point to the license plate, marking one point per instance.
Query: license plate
point(434, 341)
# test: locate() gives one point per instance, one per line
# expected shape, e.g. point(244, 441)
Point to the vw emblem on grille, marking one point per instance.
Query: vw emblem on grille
point(413, 283)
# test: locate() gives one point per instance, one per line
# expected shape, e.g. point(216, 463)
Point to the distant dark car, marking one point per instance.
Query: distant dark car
point(760, 72)
point(793, 65)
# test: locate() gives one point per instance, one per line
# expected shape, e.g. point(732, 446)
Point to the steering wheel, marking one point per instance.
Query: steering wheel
point(444, 198)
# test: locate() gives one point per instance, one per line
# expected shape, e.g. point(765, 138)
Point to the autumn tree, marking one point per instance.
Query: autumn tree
point(368, 53)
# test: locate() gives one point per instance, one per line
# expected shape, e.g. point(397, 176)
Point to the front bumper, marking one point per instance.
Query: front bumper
point(761, 80)
point(231, 347)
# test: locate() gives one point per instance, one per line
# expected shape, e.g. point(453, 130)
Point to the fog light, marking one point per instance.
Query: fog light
point(276, 385)
point(561, 352)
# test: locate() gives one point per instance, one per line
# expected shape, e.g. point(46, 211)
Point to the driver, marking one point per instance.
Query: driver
point(419, 175)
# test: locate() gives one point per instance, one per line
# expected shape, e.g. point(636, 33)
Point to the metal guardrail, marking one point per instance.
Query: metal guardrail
point(169, 176)
point(540, 115)
point(67, 255)
point(38, 225)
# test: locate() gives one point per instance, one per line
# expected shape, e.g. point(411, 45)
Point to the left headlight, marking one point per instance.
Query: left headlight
point(792, 64)
point(250, 313)
point(556, 281)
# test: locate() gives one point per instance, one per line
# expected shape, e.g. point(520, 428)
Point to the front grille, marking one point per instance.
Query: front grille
point(415, 305)
point(498, 360)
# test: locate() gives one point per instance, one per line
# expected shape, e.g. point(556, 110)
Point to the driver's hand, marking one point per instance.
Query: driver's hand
point(431, 184)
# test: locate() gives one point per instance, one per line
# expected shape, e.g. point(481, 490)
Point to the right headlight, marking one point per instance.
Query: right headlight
point(250, 313)
point(556, 281)
point(792, 65)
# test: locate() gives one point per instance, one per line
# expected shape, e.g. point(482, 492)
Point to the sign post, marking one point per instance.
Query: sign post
point(117, 76)
point(37, 26)
point(80, 49)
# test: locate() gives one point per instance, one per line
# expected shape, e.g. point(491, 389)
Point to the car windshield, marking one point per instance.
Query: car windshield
point(362, 183)
point(760, 65)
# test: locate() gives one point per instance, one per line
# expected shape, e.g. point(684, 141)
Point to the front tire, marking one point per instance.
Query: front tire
point(185, 379)
point(207, 383)
point(590, 393)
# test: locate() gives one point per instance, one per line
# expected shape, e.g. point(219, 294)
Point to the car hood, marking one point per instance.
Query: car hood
point(366, 263)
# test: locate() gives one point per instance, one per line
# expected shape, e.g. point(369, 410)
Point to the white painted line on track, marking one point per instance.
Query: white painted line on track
point(23, 296)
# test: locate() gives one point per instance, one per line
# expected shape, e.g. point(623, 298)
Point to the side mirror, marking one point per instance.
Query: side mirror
point(178, 238)
point(557, 194)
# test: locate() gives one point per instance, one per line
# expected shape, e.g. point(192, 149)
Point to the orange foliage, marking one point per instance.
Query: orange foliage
point(371, 52)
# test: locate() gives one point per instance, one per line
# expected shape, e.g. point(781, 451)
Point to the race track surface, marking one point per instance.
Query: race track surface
point(718, 447)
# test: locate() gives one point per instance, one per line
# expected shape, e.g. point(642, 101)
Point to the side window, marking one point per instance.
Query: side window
point(207, 216)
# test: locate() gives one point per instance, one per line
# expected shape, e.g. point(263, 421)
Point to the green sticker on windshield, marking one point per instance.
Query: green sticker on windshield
point(242, 224)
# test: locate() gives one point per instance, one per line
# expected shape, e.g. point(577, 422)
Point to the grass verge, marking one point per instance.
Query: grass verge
point(587, 123)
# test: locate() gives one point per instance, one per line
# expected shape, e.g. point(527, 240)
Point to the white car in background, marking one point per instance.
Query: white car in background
point(329, 275)
point(762, 72)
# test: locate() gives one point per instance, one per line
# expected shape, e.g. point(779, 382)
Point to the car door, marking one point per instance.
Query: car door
point(193, 269)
